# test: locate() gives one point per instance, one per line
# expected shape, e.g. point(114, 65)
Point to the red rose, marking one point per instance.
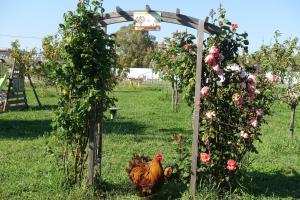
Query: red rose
point(231, 165)
point(234, 26)
point(186, 46)
point(205, 158)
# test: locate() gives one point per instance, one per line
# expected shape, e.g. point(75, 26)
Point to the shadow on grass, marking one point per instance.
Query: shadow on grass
point(105, 190)
point(18, 129)
point(170, 190)
point(128, 91)
point(276, 184)
point(175, 131)
point(123, 127)
point(43, 107)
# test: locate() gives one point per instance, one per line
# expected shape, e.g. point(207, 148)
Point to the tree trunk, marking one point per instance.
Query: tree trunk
point(173, 96)
point(176, 96)
point(292, 120)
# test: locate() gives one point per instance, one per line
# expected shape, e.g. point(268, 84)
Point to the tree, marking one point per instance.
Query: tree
point(23, 58)
point(52, 47)
point(278, 57)
point(175, 60)
point(282, 59)
point(132, 47)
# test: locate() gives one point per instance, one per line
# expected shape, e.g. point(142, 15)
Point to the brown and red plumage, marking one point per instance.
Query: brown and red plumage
point(146, 174)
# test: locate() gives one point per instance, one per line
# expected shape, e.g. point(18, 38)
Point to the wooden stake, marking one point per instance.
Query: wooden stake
point(195, 142)
point(34, 91)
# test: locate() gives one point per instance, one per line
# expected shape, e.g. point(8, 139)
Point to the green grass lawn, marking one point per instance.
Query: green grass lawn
point(29, 166)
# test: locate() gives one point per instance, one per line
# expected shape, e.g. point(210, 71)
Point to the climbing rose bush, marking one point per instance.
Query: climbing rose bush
point(235, 98)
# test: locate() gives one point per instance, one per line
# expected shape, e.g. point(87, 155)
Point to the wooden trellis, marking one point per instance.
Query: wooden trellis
point(202, 26)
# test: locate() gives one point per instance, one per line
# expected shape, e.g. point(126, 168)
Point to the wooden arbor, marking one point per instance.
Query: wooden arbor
point(95, 140)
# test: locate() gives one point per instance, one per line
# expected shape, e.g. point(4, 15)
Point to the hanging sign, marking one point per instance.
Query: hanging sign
point(149, 21)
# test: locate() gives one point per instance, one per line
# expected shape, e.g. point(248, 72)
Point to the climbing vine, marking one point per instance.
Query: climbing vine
point(86, 76)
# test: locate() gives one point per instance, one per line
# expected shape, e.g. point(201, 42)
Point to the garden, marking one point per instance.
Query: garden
point(221, 123)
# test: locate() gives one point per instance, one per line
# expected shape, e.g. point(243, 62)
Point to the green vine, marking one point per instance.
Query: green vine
point(86, 76)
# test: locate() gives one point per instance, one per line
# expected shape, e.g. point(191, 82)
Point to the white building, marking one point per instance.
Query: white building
point(145, 73)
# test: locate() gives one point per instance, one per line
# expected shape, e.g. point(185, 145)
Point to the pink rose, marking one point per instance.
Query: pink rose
point(243, 85)
point(204, 91)
point(210, 114)
point(210, 59)
point(231, 165)
point(237, 99)
point(253, 122)
point(214, 51)
point(252, 78)
point(251, 96)
point(251, 86)
point(205, 158)
point(274, 78)
point(259, 112)
point(245, 135)
point(234, 26)
point(199, 104)
point(217, 69)
point(206, 143)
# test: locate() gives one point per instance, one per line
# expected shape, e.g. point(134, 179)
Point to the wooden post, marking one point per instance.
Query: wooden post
point(196, 109)
point(98, 135)
point(99, 146)
point(9, 86)
point(91, 146)
point(33, 88)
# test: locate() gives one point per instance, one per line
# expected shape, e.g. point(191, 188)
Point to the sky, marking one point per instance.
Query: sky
point(31, 20)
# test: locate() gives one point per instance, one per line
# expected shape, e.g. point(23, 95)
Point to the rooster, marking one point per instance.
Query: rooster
point(147, 175)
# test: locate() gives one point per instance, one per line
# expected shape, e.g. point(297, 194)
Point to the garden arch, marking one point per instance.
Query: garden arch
point(202, 26)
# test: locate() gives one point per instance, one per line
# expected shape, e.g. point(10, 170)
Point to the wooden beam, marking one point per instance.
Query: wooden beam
point(196, 113)
point(168, 17)
point(206, 19)
point(177, 11)
point(147, 8)
point(34, 91)
point(118, 9)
